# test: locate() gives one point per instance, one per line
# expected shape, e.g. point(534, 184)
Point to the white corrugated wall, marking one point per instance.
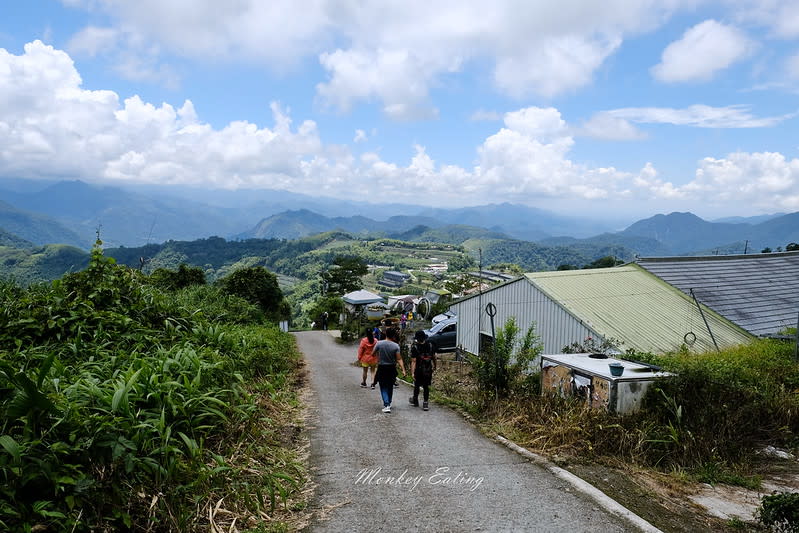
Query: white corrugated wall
point(522, 300)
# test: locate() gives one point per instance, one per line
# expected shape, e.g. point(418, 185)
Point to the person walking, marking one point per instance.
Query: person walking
point(388, 355)
point(423, 364)
point(366, 357)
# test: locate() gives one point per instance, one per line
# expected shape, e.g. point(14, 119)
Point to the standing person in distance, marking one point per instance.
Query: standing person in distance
point(366, 357)
point(388, 356)
point(423, 364)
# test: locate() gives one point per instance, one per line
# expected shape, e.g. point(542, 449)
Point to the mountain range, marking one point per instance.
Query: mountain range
point(72, 212)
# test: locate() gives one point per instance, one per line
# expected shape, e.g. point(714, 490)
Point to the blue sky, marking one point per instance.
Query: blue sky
point(624, 106)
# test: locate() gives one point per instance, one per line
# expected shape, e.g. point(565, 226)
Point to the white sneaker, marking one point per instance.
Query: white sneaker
point(387, 409)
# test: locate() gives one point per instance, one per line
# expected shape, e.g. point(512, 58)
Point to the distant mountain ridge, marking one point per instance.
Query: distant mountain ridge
point(71, 212)
point(301, 223)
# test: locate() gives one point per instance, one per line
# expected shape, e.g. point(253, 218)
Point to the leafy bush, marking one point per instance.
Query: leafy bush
point(722, 405)
point(122, 409)
point(780, 511)
point(506, 364)
point(258, 286)
point(184, 276)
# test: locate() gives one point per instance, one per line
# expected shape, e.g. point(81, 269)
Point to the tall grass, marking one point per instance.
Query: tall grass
point(122, 407)
point(710, 419)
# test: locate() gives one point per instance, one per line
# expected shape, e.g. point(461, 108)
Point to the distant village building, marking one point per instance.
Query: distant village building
point(492, 276)
point(436, 268)
point(393, 279)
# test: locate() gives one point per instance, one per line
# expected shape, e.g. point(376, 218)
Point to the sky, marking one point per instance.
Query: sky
point(632, 107)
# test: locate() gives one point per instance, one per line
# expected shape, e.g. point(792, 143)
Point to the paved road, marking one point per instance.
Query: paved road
point(412, 470)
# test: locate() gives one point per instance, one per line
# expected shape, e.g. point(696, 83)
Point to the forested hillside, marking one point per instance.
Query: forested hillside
point(9, 239)
point(41, 263)
point(532, 257)
point(36, 228)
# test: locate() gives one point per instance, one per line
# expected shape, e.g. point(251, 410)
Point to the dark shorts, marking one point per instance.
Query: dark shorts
point(386, 374)
point(422, 379)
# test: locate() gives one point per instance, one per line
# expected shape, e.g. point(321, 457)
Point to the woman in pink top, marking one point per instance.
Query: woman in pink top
point(366, 358)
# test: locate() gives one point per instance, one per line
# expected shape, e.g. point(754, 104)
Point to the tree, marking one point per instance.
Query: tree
point(459, 263)
point(184, 276)
point(505, 364)
point(765, 250)
point(792, 247)
point(258, 286)
point(604, 262)
point(344, 275)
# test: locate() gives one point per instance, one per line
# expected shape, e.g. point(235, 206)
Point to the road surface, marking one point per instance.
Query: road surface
point(411, 470)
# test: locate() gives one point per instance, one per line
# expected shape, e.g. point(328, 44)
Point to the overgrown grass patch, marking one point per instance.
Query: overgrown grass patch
point(707, 422)
point(122, 407)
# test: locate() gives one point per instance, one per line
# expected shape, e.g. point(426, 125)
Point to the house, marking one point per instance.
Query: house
point(491, 276)
point(625, 305)
point(758, 292)
point(394, 279)
point(437, 295)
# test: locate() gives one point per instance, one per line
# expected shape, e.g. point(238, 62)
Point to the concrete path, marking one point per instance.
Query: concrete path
point(412, 470)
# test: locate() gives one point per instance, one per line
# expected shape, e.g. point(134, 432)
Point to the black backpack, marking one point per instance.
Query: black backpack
point(424, 361)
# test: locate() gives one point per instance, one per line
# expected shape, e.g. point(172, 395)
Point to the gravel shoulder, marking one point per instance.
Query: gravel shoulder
point(416, 470)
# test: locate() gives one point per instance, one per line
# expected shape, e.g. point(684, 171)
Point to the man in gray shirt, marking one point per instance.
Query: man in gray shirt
point(388, 355)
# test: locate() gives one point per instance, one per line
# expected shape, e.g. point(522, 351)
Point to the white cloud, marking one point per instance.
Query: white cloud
point(46, 118)
point(781, 17)
point(393, 51)
point(536, 122)
point(360, 136)
point(361, 75)
point(556, 65)
point(700, 116)
point(765, 180)
point(608, 127)
point(703, 50)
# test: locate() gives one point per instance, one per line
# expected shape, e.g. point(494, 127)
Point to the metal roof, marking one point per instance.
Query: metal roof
point(631, 305)
point(361, 297)
point(759, 292)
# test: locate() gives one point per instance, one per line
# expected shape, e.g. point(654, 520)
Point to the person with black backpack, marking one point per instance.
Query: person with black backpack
point(423, 364)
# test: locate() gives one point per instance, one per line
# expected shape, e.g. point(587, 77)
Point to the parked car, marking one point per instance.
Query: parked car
point(444, 316)
point(443, 336)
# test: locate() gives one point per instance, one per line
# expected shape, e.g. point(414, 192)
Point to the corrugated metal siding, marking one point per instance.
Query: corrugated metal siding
point(630, 305)
point(527, 304)
point(760, 293)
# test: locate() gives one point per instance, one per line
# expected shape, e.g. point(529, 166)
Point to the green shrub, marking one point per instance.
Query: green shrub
point(258, 286)
point(780, 511)
point(506, 364)
point(119, 406)
point(721, 406)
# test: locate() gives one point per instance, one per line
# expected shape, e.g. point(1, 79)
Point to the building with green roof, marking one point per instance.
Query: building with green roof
point(626, 306)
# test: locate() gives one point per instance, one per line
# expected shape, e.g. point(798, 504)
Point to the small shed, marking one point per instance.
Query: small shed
point(358, 303)
point(354, 299)
point(589, 378)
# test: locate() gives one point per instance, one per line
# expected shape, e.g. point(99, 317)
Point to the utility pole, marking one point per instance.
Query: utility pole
point(746, 246)
point(479, 297)
point(796, 349)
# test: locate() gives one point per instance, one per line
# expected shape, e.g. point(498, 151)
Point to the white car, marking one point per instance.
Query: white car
point(444, 316)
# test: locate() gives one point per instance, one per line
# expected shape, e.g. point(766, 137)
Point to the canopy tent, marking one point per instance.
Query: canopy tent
point(361, 297)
